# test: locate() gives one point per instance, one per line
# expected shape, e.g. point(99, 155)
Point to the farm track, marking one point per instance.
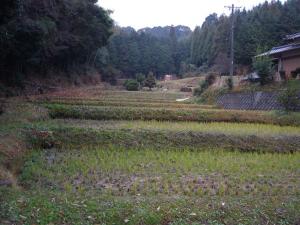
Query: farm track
point(116, 99)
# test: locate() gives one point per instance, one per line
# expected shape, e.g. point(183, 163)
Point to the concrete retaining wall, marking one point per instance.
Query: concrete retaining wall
point(251, 101)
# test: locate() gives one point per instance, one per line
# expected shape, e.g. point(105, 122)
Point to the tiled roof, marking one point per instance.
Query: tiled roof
point(292, 36)
point(281, 49)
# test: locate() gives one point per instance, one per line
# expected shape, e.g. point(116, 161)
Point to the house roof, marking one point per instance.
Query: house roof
point(292, 36)
point(281, 49)
point(284, 48)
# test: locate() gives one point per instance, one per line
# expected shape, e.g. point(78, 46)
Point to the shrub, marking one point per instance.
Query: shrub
point(210, 95)
point(202, 87)
point(110, 75)
point(140, 79)
point(264, 67)
point(290, 98)
point(229, 83)
point(209, 80)
point(131, 85)
point(150, 82)
point(295, 73)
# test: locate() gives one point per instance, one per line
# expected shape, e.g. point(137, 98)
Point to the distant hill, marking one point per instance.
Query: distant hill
point(182, 32)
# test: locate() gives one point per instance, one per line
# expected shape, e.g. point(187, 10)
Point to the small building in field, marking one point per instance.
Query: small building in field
point(169, 77)
point(286, 57)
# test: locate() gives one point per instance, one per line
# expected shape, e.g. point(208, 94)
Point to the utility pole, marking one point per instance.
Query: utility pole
point(232, 8)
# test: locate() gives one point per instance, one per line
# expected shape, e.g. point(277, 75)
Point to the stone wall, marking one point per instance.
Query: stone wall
point(251, 101)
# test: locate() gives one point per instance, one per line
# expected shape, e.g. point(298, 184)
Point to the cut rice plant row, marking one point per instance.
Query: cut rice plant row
point(203, 115)
point(238, 129)
point(67, 137)
point(126, 104)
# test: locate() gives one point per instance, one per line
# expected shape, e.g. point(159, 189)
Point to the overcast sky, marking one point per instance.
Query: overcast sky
point(149, 13)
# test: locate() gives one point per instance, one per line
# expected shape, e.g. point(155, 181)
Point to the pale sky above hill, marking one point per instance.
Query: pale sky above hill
point(149, 13)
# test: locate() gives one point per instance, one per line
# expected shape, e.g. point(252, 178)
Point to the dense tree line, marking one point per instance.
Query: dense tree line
point(71, 36)
point(263, 27)
point(166, 50)
point(131, 52)
point(43, 35)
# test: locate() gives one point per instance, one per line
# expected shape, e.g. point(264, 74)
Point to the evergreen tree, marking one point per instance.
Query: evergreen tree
point(40, 36)
point(264, 25)
point(150, 82)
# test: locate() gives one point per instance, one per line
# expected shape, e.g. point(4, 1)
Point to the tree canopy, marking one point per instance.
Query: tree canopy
point(263, 26)
point(143, 51)
point(70, 36)
point(42, 35)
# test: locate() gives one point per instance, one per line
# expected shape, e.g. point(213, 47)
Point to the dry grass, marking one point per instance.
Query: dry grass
point(178, 84)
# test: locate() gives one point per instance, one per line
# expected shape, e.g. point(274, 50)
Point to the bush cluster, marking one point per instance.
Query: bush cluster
point(229, 83)
point(140, 82)
point(209, 80)
point(264, 68)
point(289, 98)
point(131, 85)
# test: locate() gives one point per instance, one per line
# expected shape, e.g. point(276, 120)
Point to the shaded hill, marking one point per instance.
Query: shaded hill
point(181, 31)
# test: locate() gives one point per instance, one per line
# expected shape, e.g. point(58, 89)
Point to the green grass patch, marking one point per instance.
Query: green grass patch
point(145, 186)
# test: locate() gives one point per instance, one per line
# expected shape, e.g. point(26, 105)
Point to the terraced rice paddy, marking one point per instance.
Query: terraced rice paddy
point(142, 158)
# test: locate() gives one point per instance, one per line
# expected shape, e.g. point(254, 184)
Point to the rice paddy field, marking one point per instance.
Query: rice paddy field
point(116, 157)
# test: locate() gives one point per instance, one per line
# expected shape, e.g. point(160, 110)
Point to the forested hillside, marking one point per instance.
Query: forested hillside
point(262, 27)
point(160, 50)
point(181, 32)
point(50, 36)
point(167, 50)
point(67, 37)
